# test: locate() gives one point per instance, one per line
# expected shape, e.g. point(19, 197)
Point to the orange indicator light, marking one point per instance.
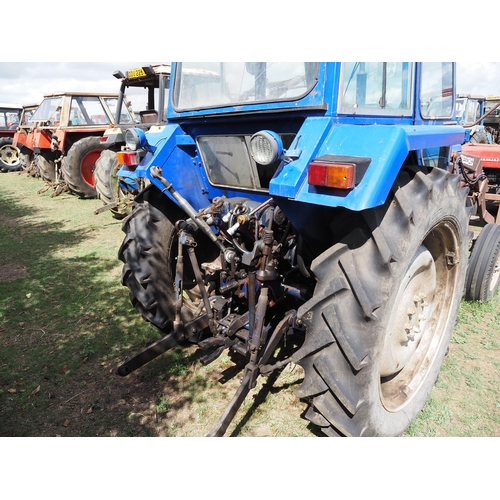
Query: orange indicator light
point(128, 158)
point(339, 176)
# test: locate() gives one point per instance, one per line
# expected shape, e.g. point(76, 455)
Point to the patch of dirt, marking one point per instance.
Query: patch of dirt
point(13, 271)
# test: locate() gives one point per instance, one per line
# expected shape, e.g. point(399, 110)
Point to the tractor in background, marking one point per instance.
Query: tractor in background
point(10, 115)
point(22, 138)
point(478, 163)
point(64, 138)
point(149, 86)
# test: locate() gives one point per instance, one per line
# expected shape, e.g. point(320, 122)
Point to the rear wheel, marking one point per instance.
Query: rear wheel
point(78, 166)
point(9, 156)
point(149, 251)
point(483, 274)
point(385, 304)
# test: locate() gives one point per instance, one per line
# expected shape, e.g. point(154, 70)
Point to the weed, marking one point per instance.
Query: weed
point(163, 406)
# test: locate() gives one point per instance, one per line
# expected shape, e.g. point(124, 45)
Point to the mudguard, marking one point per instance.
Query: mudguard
point(386, 145)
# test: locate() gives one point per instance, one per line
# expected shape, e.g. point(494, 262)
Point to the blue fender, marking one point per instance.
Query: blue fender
point(387, 146)
point(174, 148)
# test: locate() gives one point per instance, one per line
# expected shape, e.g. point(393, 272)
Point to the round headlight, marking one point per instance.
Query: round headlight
point(135, 139)
point(266, 147)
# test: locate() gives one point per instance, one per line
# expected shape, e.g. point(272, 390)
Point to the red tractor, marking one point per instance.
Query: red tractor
point(64, 138)
point(10, 115)
point(487, 148)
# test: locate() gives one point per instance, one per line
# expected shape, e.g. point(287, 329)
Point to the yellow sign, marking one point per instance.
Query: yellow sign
point(136, 73)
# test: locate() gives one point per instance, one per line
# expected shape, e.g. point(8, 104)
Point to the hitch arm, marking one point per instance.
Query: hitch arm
point(148, 354)
point(159, 347)
point(229, 413)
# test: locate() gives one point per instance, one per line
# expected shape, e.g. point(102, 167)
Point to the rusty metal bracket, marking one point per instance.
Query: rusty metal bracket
point(159, 347)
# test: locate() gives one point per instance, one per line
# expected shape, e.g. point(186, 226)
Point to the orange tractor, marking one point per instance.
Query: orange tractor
point(64, 137)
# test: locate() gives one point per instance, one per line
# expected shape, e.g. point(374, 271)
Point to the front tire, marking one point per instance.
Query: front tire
point(107, 184)
point(384, 307)
point(45, 164)
point(9, 156)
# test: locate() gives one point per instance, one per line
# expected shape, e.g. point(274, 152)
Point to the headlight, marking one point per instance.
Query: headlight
point(135, 139)
point(266, 147)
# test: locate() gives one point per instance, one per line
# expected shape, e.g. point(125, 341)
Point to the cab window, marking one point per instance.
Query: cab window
point(436, 90)
point(376, 88)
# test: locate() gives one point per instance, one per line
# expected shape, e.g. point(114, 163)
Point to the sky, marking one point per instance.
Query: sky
point(27, 82)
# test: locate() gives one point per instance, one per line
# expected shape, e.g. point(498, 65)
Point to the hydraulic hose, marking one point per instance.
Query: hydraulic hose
point(186, 206)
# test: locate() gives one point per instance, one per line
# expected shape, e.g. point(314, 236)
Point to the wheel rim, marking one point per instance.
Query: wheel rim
point(87, 166)
point(9, 155)
point(419, 317)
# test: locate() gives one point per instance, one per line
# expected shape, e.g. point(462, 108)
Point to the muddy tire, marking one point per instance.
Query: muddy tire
point(384, 307)
point(78, 166)
point(46, 166)
point(107, 185)
point(149, 250)
point(483, 274)
point(9, 156)
point(25, 158)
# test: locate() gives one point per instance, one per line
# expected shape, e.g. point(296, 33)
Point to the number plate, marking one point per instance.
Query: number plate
point(136, 73)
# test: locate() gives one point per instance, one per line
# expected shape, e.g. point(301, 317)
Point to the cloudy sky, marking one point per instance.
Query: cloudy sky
point(26, 82)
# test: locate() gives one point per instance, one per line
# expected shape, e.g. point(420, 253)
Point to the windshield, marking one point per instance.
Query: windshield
point(46, 110)
point(8, 119)
point(88, 110)
point(205, 85)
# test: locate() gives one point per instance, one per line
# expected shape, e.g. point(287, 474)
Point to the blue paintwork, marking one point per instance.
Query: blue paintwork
point(387, 140)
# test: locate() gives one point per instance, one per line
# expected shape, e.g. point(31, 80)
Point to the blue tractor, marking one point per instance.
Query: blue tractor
point(295, 204)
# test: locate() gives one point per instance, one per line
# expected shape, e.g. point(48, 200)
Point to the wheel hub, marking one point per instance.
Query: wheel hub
point(406, 330)
point(9, 155)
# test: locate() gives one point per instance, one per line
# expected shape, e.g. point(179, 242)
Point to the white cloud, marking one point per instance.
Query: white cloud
point(481, 78)
point(26, 83)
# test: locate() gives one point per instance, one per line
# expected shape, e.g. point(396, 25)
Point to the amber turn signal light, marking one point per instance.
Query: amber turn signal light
point(128, 158)
point(339, 176)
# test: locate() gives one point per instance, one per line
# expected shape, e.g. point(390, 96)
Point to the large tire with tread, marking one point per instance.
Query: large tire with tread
point(483, 274)
point(107, 184)
point(78, 166)
point(25, 158)
point(149, 251)
point(9, 156)
point(384, 307)
point(45, 164)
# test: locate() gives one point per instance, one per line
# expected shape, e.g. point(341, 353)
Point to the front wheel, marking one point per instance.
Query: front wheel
point(384, 307)
point(45, 164)
point(108, 186)
point(9, 156)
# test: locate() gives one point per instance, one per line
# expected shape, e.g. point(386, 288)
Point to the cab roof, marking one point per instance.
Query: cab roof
point(80, 94)
point(11, 106)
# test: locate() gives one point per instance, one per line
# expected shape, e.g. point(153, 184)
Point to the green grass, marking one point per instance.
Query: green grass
point(464, 401)
point(66, 324)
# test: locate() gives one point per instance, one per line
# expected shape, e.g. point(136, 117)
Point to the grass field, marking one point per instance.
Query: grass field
point(66, 324)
